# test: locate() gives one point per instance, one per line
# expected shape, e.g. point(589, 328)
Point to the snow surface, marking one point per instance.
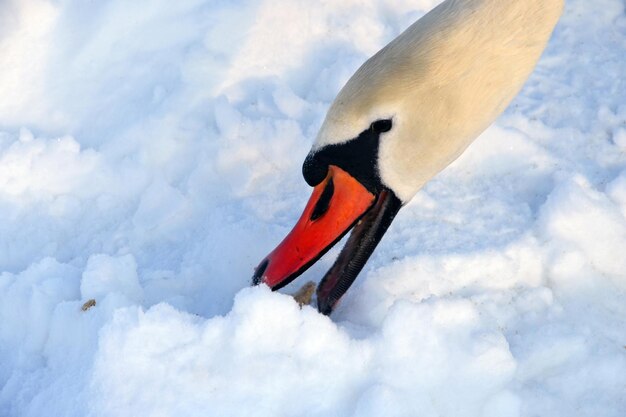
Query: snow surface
point(150, 156)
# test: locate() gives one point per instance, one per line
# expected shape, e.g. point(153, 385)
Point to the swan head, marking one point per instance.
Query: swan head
point(407, 113)
point(359, 182)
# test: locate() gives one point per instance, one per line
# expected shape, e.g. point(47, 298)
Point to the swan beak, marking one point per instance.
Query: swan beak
point(335, 206)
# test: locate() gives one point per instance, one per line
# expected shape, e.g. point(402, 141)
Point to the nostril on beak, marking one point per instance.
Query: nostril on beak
point(258, 272)
point(321, 207)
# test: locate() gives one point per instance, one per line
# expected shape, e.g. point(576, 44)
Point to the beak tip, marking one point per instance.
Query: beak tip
point(324, 308)
point(258, 276)
point(325, 302)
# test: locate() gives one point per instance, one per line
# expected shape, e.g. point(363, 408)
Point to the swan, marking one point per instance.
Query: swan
point(405, 114)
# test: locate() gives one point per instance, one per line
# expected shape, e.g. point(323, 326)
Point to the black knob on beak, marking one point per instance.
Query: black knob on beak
point(314, 169)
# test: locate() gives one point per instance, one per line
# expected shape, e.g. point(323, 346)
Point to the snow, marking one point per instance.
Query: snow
point(150, 157)
point(104, 275)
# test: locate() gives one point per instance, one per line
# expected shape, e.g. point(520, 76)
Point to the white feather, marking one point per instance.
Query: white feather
point(443, 81)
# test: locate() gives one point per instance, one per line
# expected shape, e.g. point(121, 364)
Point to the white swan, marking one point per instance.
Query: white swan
point(408, 112)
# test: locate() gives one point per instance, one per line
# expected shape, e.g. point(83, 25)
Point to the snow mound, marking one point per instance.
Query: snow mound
point(235, 363)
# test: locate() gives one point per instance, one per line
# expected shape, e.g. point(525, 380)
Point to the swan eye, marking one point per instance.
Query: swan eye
point(381, 126)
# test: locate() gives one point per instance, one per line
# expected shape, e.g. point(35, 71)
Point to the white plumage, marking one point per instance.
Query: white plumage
point(443, 81)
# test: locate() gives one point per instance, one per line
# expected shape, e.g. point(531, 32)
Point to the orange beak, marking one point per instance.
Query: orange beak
point(336, 205)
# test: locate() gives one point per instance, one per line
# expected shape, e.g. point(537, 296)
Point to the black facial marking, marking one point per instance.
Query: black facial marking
point(323, 203)
point(358, 157)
